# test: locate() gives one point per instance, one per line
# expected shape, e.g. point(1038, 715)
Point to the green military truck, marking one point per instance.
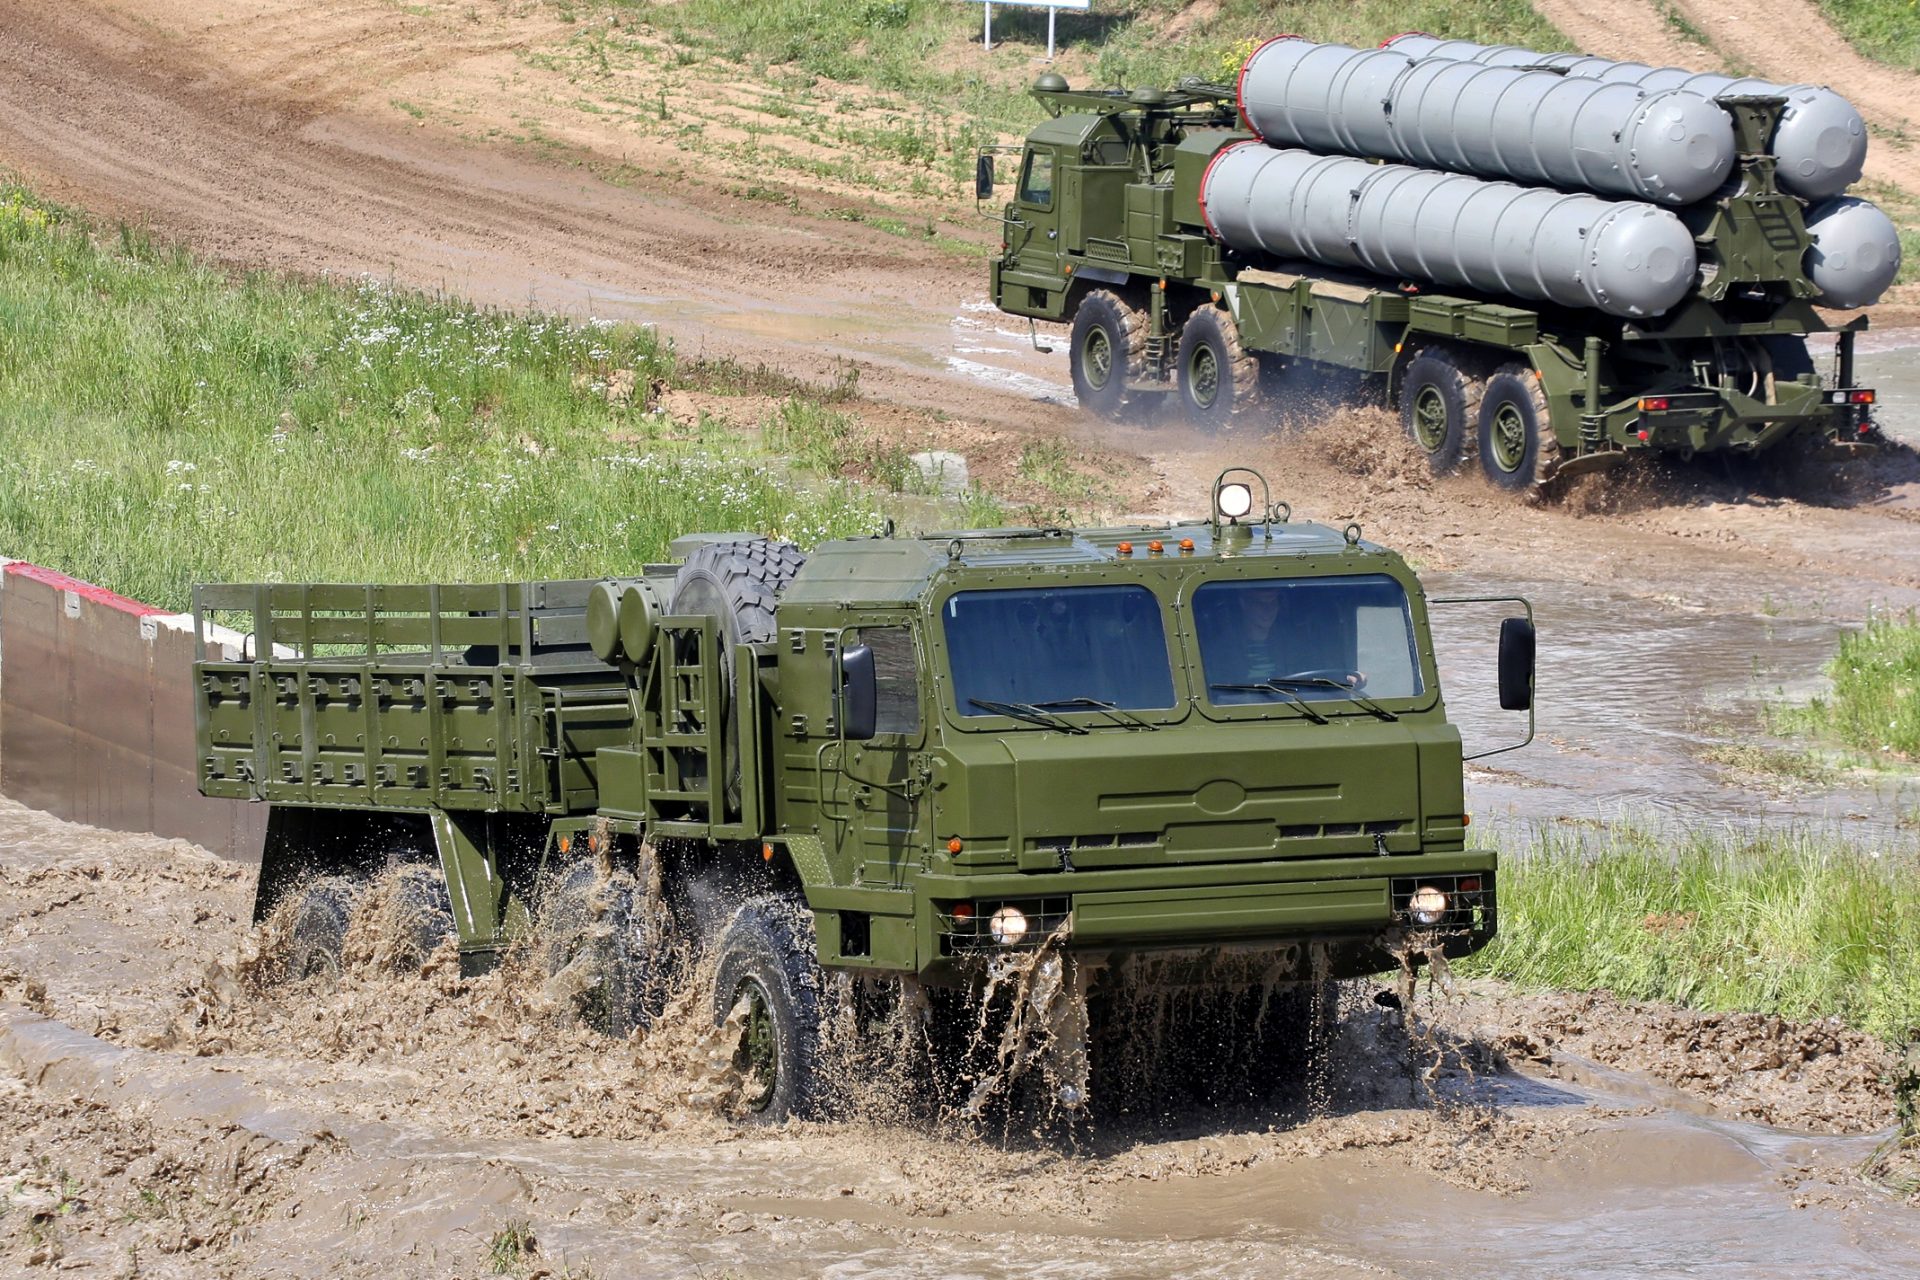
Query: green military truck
point(899, 757)
point(1543, 332)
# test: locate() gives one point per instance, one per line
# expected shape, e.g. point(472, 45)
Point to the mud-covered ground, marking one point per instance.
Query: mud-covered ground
point(168, 1109)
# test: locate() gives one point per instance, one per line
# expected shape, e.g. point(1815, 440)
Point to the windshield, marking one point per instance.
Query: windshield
point(1314, 638)
point(1057, 645)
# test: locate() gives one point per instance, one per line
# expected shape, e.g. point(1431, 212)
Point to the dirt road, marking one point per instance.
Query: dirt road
point(163, 1115)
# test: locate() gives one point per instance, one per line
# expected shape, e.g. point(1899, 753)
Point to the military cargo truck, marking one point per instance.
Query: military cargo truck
point(1551, 273)
point(898, 757)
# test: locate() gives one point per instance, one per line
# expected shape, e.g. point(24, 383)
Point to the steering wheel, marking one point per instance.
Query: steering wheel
point(1354, 680)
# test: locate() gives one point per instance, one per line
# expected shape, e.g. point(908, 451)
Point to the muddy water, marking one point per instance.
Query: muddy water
point(1632, 692)
point(1889, 362)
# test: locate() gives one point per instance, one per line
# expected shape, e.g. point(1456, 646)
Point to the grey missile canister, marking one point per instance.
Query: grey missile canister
point(1627, 259)
point(1855, 253)
point(1820, 144)
point(1672, 147)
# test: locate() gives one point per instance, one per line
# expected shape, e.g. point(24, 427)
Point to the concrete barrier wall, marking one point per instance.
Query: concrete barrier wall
point(96, 713)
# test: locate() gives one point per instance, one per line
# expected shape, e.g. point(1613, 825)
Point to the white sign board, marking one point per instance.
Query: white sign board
point(1051, 6)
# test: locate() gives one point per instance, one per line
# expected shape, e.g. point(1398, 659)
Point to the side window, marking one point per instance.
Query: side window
point(1036, 179)
point(897, 674)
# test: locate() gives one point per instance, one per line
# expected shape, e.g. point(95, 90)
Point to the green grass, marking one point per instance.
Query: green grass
point(1874, 708)
point(168, 423)
point(919, 48)
point(1886, 30)
point(1793, 922)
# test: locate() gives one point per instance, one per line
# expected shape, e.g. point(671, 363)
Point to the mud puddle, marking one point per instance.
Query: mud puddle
point(397, 1125)
point(1889, 362)
point(1644, 704)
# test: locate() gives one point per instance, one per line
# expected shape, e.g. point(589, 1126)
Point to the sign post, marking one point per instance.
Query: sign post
point(1052, 7)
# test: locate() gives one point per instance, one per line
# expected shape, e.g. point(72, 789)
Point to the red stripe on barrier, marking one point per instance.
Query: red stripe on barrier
point(85, 590)
point(1388, 42)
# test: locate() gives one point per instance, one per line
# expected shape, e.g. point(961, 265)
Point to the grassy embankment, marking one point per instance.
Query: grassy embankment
point(1886, 30)
point(1873, 712)
point(168, 423)
point(1790, 921)
point(887, 100)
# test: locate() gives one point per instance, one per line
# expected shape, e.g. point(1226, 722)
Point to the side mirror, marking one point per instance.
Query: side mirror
point(983, 176)
point(859, 694)
point(1516, 664)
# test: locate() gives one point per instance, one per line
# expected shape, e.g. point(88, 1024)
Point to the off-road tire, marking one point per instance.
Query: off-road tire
point(320, 929)
point(1219, 380)
point(425, 916)
point(1440, 406)
point(1518, 450)
point(601, 923)
point(766, 954)
point(739, 584)
point(1106, 352)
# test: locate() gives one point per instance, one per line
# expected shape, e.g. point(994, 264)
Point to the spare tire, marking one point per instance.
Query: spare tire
point(738, 584)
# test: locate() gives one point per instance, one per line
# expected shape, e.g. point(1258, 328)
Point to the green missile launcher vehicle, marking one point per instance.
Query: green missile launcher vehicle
point(899, 757)
point(1543, 332)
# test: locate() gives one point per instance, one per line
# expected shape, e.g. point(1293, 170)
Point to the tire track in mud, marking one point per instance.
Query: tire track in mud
point(100, 111)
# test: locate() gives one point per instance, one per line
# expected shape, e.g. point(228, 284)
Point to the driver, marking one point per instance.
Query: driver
point(1259, 625)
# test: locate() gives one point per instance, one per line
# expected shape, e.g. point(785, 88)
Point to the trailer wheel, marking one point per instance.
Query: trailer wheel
point(1108, 351)
point(599, 924)
point(767, 968)
point(1439, 405)
point(320, 928)
point(1219, 379)
point(1518, 450)
point(737, 583)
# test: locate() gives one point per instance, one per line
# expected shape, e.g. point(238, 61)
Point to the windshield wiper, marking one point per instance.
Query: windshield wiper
point(1117, 714)
point(1028, 712)
point(1268, 686)
point(1347, 691)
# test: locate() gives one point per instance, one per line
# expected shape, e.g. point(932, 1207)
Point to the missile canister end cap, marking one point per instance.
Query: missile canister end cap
point(1855, 254)
point(1684, 139)
point(1641, 260)
point(1821, 142)
point(1050, 82)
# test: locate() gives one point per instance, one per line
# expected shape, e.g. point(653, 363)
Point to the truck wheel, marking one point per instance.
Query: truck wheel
point(1109, 348)
point(739, 584)
point(1518, 450)
point(598, 923)
point(1439, 405)
point(767, 965)
point(320, 929)
point(423, 916)
point(1219, 380)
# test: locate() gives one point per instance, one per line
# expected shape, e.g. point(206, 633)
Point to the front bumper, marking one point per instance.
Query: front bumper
point(1362, 900)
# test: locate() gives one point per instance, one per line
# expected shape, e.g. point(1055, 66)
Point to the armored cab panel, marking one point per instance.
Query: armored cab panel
point(1671, 147)
point(1820, 142)
point(1626, 259)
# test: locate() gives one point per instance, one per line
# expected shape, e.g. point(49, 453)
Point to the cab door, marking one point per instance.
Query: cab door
point(883, 780)
point(1033, 219)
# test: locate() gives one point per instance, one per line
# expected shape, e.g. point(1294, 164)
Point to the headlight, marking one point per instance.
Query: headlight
point(1235, 500)
point(1008, 926)
point(1428, 905)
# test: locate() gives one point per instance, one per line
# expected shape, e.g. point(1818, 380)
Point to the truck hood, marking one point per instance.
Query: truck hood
point(1119, 798)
